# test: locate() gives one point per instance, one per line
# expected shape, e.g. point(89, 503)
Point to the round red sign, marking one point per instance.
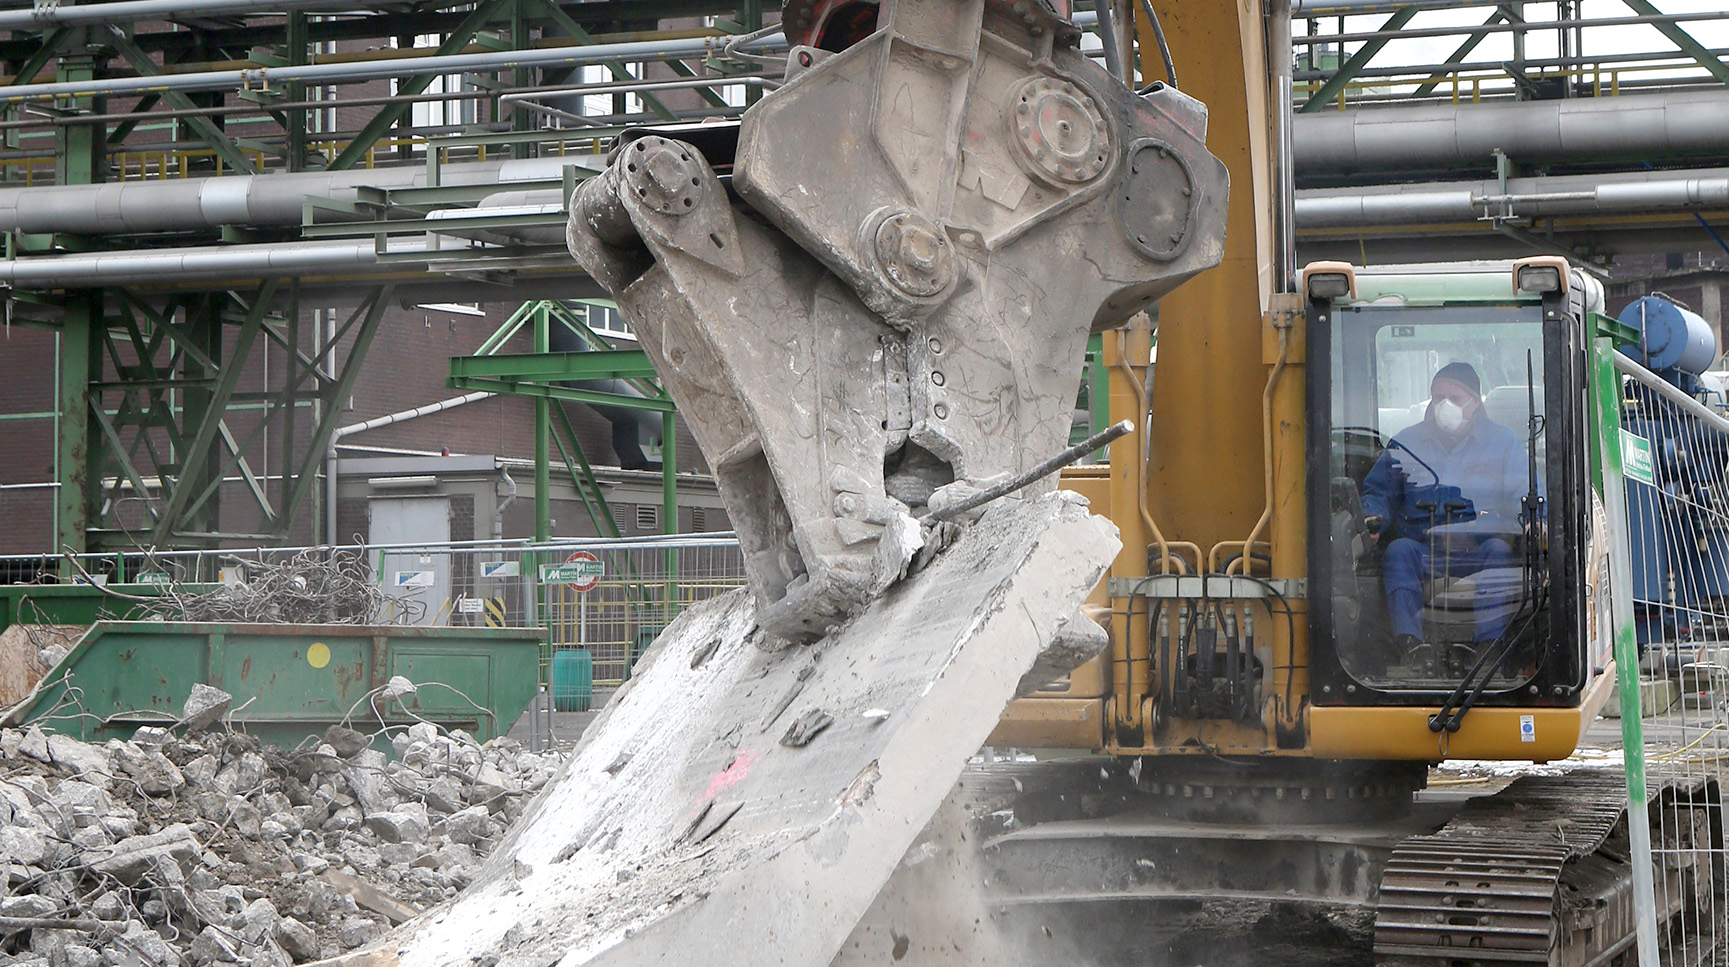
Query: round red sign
point(590, 573)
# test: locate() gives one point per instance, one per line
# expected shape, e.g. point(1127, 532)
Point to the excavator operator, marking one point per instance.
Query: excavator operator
point(1447, 491)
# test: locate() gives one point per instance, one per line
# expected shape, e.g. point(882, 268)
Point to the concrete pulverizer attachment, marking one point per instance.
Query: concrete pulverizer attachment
point(887, 309)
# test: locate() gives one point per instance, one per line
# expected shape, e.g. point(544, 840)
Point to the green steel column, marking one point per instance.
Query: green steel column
point(668, 475)
point(79, 160)
point(295, 91)
point(74, 453)
point(542, 440)
point(1607, 416)
point(203, 325)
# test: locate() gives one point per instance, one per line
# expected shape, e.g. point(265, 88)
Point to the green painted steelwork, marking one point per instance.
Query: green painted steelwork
point(539, 374)
point(77, 604)
point(515, 367)
point(289, 682)
point(1349, 69)
point(1684, 40)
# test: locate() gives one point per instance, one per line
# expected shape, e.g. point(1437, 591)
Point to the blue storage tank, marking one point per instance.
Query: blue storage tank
point(1673, 338)
point(572, 680)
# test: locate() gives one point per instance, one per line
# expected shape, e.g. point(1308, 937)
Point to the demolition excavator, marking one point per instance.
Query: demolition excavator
point(871, 299)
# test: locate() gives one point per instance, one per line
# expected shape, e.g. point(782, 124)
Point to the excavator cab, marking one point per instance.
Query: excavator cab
point(1449, 497)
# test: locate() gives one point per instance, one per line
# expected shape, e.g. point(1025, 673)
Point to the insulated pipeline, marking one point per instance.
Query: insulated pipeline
point(261, 78)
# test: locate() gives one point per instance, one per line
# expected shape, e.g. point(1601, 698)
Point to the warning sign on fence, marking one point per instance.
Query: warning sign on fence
point(581, 570)
point(1636, 459)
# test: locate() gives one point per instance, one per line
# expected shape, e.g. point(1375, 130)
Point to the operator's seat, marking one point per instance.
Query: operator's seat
point(1452, 605)
point(1510, 405)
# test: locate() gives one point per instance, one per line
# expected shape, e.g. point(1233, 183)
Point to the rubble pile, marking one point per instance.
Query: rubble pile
point(210, 849)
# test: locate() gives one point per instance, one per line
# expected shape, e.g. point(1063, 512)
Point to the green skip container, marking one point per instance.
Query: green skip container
point(289, 682)
point(572, 680)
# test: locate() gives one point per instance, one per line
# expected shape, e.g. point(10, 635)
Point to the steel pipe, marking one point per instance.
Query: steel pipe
point(276, 259)
point(256, 200)
point(259, 78)
point(56, 15)
point(1279, 51)
point(1400, 139)
point(1522, 197)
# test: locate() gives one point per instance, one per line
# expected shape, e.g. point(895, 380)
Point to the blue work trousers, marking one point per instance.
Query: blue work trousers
point(1408, 563)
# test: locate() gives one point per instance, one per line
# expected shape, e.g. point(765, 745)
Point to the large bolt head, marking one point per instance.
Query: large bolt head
point(913, 254)
point(664, 175)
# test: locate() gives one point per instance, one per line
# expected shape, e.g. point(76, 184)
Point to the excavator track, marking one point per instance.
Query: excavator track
point(1535, 874)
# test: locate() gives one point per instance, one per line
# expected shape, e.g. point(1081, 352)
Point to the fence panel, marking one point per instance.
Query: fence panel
point(1675, 458)
point(643, 584)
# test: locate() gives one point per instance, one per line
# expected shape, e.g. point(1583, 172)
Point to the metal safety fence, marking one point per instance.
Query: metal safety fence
point(606, 599)
point(1674, 589)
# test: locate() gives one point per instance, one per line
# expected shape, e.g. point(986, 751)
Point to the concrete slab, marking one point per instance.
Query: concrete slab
point(738, 805)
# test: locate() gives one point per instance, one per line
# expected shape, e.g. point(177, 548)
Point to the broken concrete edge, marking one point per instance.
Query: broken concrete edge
point(895, 795)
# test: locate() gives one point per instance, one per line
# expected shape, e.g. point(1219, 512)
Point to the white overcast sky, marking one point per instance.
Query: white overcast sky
point(1539, 44)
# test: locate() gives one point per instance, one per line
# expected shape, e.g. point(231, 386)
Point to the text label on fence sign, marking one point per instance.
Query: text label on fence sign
point(470, 605)
point(1636, 459)
point(500, 569)
point(416, 579)
point(582, 571)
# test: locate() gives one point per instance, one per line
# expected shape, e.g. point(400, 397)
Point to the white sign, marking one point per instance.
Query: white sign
point(470, 605)
point(154, 577)
point(1527, 728)
point(416, 579)
point(500, 569)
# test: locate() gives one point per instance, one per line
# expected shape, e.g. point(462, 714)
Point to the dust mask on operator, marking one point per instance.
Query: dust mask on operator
point(1456, 397)
point(1449, 416)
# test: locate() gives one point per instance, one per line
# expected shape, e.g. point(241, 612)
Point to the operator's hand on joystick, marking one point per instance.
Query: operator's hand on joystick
point(1372, 524)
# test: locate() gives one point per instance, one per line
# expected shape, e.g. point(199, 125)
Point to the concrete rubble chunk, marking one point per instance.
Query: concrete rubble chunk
point(28, 905)
point(130, 859)
point(152, 770)
point(35, 744)
point(25, 847)
point(204, 707)
point(261, 919)
point(346, 742)
point(444, 795)
point(85, 760)
point(297, 939)
point(151, 737)
point(468, 826)
point(808, 834)
point(398, 827)
point(213, 945)
point(1076, 640)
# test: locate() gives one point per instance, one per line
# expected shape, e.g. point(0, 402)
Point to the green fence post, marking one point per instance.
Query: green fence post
point(1607, 417)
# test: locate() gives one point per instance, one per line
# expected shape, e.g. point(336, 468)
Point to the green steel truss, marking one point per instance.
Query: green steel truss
point(542, 376)
point(165, 421)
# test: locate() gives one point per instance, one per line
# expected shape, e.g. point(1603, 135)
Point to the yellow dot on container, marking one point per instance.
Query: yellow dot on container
point(318, 655)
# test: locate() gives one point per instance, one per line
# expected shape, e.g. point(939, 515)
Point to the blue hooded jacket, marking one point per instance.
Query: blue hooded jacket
point(1487, 463)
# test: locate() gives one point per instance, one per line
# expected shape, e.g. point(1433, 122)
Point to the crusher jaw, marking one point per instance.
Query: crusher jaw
point(880, 305)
